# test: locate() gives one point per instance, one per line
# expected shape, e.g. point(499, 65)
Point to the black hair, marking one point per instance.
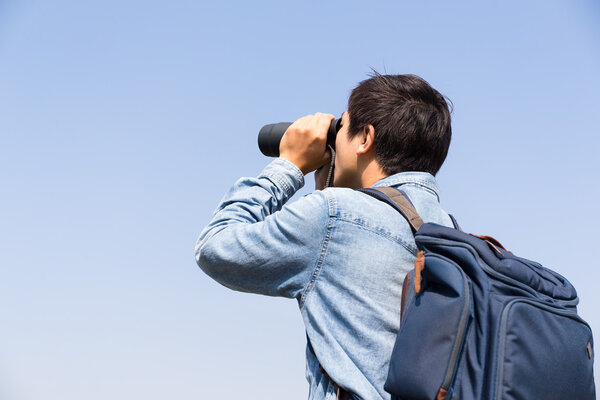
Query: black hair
point(411, 121)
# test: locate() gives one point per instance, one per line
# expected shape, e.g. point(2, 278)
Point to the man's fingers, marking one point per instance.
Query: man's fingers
point(325, 161)
point(323, 121)
point(330, 116)
point(302, 122)
point(323, 115)
point(316, 125)
point(304, 142)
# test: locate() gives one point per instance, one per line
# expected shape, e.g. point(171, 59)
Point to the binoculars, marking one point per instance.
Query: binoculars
point(270, 136)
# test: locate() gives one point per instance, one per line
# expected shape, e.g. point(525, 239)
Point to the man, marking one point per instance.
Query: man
point(340, 253)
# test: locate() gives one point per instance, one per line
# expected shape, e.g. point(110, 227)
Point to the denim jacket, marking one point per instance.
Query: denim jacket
point(340, 253)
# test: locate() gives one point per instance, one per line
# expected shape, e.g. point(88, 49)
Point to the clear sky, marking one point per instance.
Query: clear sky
point(122, 123)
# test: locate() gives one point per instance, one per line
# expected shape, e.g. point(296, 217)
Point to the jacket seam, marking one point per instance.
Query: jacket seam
point(283, 184)
point(280, 180)
point(428, 188)
point(322, 254)
point(382, 234)
point(424, 184)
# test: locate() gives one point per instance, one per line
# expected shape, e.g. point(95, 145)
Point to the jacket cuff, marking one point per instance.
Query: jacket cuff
point(285, 174)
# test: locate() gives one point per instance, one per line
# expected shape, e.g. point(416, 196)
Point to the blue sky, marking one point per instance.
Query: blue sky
point(122, 123)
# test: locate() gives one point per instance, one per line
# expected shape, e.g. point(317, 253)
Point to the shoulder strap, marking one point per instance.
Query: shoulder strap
point(397, 199)
point(400, 201)
point(456, 225)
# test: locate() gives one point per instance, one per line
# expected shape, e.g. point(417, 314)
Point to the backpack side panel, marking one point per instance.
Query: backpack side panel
point(511, 359)
point(427, 352)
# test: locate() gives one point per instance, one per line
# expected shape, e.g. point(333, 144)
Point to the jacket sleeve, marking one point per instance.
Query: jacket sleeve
point(256, 244)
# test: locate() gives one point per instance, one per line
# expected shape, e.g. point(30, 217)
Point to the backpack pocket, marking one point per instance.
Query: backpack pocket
point(544, 352)
point(432, 333)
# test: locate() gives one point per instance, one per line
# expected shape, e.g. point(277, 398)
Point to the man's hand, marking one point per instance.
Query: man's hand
point(305, 142)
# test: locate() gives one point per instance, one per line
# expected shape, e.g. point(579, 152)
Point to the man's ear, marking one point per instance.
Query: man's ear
point(367, 140)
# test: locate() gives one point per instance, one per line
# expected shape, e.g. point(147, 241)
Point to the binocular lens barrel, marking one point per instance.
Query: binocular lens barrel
point(270, 136)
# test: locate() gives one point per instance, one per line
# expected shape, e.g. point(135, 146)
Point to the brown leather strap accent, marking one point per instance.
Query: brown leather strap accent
point(494, 243)
point(419, 266)
point(405, 286)
point(402, 202)
point(341, 394)
point(491, 239)
point(441, 394)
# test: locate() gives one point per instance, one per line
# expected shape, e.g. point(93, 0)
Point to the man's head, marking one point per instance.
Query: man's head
point(394, 123)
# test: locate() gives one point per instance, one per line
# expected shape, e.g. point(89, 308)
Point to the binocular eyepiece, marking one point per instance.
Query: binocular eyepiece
point(270, 136)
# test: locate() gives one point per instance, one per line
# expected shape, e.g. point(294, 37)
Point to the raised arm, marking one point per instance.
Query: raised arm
point(255, 244)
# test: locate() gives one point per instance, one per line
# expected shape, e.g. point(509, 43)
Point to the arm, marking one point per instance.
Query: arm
point(255, 244)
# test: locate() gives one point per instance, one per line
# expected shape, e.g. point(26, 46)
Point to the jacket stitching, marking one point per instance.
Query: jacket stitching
point(284, 185)
point(320, 261)
point(382, 233)
point(400, 182)
point(429, 189)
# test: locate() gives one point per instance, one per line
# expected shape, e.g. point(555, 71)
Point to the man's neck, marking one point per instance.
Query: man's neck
point(372, 173)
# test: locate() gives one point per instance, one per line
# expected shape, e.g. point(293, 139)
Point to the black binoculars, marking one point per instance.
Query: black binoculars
point(270, 136)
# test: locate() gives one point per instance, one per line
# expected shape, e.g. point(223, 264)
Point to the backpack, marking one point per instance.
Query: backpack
point(478, 322)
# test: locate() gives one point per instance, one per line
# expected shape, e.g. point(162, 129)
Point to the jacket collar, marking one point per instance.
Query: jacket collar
point(424, 179)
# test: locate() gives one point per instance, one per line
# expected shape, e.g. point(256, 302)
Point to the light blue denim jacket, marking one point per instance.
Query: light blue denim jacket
point(340, 253)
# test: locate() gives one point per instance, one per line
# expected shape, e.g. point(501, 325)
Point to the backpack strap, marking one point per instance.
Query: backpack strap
point(456, 225)
point(400, 201)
